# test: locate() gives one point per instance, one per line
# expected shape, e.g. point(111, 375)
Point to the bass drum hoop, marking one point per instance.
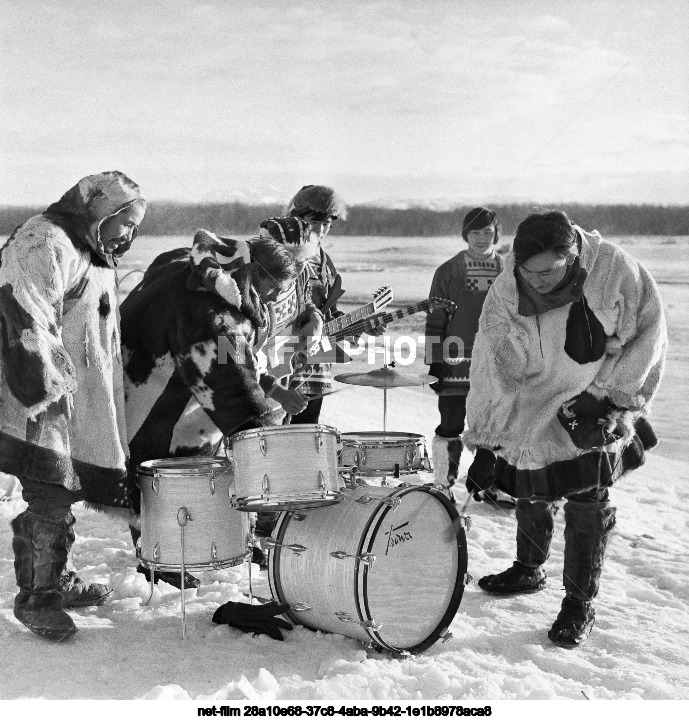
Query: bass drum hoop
point(360, 586)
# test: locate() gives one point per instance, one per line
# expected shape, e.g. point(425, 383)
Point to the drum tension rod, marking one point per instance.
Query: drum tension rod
point(272, 543)
point(392, 502)
point(366, 558)
point(346, 618)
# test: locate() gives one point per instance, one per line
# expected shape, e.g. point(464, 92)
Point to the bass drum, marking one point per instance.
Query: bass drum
point(386, 566)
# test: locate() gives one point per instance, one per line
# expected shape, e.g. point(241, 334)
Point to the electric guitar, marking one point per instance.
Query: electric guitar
point(301, 360)
point(284, 352)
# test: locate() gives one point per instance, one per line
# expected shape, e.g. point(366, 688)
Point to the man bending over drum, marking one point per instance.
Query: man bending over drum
point(190, 333)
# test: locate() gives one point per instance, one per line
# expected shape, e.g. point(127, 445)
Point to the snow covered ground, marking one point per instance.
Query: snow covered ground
point(639, 648)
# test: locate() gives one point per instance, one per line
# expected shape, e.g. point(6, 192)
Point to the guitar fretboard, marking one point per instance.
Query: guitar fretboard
point(345, 321)
point(384, 317)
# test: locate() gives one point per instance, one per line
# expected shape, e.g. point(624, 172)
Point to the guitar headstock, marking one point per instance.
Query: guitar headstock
point(382, 297)
point(435, 303)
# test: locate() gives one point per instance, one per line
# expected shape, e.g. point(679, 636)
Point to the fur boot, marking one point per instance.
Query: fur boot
point(446, 455)
point(587, 531)
point(535, 521)
point(40, 555)
point(75, 592)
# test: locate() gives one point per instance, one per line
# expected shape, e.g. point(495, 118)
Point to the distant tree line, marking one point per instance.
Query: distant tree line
point(167, 218)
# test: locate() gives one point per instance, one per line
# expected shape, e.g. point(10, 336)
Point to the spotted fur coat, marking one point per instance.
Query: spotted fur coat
point(61, 394)
point(190, 333)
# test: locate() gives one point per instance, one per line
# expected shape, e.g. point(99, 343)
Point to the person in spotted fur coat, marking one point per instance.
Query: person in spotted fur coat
point(62, 426)
point(191, 335)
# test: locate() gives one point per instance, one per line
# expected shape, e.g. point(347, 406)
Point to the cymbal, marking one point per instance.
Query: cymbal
point(381, 378)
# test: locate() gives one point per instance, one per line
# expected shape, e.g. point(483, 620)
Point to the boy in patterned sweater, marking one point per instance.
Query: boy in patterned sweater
point(465, 280)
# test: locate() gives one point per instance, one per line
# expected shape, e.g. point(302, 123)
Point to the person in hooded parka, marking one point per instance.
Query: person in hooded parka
point(62, 430)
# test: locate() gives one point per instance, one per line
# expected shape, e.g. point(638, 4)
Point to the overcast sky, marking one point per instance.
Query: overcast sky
point(460, 101)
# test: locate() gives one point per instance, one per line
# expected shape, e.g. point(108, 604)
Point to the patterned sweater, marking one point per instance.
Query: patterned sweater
point(450, 337)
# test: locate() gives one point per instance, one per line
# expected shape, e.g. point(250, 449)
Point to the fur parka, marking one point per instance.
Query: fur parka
point(521, 375)
point(61, 395)
point(191, 331)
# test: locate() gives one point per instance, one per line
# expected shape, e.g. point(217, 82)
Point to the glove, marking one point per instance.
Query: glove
point(254, 619)
point(480, 476)
point(591, 422)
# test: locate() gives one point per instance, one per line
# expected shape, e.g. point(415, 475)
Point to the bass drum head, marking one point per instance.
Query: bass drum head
point(417, 581)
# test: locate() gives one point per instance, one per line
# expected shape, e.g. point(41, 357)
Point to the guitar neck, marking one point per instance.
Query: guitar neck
point(385, 318)
point(338, 325)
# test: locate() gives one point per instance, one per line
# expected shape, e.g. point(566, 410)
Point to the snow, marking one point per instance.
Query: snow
point(639, 647)
point(499, 650)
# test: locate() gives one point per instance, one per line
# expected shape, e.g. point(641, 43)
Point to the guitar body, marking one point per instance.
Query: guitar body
point(286, 354)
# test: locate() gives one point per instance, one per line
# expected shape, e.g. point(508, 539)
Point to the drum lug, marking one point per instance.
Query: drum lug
point(322, 484)
point(214, 551)
point(262, 444)
point(156, 553)
point(446, 635)
point(392, 502)
point(466, 522)
point(468, 579)
point(407, 459)
point(228, 449)
point(346, 618)
point(362, 457)
point(212, 483)
point(367, 559)
point(298, 516)
point(137, 547)
point(295, 547)
point(319, 442)
point(265, 485)
point(154, 483)
point(301, 607)
point(364, 500)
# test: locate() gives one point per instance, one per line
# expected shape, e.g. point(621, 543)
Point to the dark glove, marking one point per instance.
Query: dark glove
point(589, 421)
point(480, 476)
point(254, 619)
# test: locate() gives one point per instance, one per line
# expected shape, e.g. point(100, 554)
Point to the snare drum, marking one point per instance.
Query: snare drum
point(376, 453)
point(386, 566)
point(216, 534)
point(285, 467)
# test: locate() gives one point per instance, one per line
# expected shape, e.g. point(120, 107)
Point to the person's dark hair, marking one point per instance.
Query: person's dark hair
point(273, 260)
point(541, 232)
point(480, 218)
point(317, 203)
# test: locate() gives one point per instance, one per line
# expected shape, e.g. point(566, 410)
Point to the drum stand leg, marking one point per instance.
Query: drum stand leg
point(152, 569)
point(182, 518)
point(385, 408)
point(251, 544)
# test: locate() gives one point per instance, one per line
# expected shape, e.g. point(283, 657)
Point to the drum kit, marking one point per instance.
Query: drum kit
point(364, 545)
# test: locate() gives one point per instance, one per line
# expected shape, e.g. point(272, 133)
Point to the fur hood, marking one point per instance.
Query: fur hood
point(82, 210)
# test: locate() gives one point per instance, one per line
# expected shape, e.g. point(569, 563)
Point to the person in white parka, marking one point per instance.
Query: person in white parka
point(568, 357)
